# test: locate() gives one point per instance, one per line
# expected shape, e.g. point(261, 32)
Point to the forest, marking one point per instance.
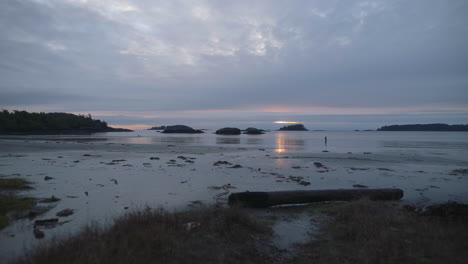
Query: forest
point(424, 127)
point(23, 122)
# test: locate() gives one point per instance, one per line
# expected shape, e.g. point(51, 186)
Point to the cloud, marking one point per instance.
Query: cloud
point(164, 56)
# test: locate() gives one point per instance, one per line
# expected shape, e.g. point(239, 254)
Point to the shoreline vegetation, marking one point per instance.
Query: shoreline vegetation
point(425, 127)
point(10, 202)
point(361, 231)
point(25, 123)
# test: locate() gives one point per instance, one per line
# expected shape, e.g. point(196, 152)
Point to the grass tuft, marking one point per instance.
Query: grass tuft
point(14, 184)
point(10, 203)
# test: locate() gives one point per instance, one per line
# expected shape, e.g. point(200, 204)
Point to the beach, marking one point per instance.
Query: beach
point(102, 179)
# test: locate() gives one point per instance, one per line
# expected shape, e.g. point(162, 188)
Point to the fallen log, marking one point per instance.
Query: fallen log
point(265, 199)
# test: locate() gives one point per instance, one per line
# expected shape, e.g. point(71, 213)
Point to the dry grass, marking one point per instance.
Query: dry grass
point(11, 203)
point(14, 184)
point(376, 232)
point(360, 232)
point(155, 236)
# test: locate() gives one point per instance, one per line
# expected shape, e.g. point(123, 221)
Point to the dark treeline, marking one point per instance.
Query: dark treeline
point(424, 127)
point(297, 127)
point(39, 123)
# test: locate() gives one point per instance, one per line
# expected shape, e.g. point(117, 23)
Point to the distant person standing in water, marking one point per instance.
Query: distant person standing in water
point(325, 141)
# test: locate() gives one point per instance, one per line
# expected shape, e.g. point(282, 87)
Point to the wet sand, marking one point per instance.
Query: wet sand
point(101, 180)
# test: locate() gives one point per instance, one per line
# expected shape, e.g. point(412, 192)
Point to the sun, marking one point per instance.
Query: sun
point(286, 122)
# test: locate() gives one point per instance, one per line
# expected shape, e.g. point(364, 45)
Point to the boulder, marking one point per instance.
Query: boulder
point(181, 129)
point(253, 131)
point(228, 131)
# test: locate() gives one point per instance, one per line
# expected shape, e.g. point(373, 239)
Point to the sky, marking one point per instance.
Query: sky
point(329, 64)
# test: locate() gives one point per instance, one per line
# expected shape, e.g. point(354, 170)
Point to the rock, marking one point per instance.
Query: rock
point(191, 225)
point(46, 222)
point(220, 162)
point(154, 158)
point(52, 199)
point(319, 165)
point(360, 186)
point(297, 127)
point(358, 169)
point(305, 183)
point(181, 129)
point(228, 131)
point(46, 178)
point(253, 131)
point(38, 233)
point(236, 166)
point(460, 171)
point(65, 212)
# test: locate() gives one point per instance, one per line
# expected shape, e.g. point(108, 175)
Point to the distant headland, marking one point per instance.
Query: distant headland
point(25, 123)
point(297, 127)
point(424, 127)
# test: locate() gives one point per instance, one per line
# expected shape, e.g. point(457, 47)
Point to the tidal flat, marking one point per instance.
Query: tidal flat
point(101, 180)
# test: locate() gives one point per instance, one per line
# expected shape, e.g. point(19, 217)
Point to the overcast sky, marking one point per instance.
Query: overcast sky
point(330, 64)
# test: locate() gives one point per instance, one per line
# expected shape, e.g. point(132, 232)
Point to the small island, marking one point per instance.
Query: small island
point(228, 131)
point(424, 127)
point(297, 127)
point(181, 129)
point(253, 131)
point(25, 123)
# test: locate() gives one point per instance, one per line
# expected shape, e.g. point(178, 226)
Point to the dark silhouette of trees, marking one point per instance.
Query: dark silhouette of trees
point(297, 127)
point(25, 122)
point(424, 127)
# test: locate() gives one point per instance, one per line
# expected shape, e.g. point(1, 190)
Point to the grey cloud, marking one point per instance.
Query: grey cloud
point(177, 55)
point(21, 98)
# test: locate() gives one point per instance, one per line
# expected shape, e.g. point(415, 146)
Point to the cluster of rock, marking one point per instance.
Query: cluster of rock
point(226, 130)
point(237, 131)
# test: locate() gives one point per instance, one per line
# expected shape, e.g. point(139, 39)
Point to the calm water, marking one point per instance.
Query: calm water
point(310, 141)
point(455, 143)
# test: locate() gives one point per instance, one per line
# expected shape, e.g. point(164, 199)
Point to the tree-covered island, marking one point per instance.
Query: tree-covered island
point(424, 127)
point(23, 123)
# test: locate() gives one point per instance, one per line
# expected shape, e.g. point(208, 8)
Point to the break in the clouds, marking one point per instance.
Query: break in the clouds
point(236, 61)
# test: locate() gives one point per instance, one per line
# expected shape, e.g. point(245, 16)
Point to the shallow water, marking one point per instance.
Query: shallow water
point(98, 189)
point(289, 141)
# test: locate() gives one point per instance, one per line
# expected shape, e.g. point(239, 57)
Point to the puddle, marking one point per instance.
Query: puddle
point(292, 225)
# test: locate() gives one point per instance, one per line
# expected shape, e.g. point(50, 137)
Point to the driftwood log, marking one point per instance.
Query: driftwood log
point(265, 199)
